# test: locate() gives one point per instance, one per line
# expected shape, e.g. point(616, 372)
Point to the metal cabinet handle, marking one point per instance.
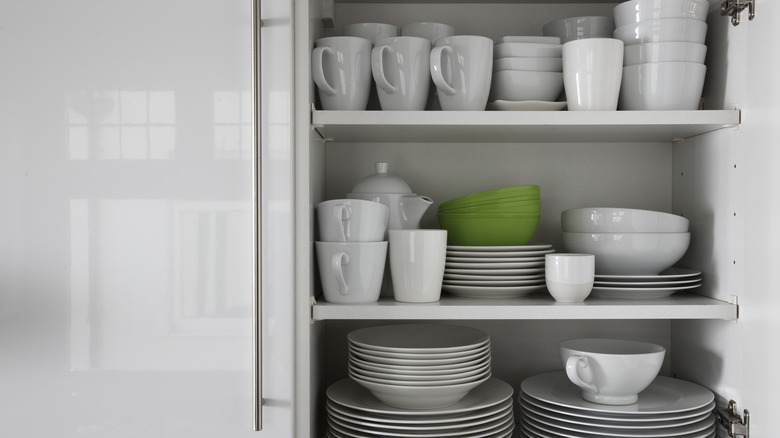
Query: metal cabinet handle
point(257, 212)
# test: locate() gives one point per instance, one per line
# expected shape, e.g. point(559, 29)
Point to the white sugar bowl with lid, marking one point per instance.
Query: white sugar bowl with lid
point(406, 208)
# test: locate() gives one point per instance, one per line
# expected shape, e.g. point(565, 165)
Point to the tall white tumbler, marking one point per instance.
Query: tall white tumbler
point(592, 72)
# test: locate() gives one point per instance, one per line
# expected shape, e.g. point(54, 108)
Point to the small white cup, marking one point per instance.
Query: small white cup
point(341, 68)
point(569, 277)
point(611, 371)
point(401, 69)
point(429, 30)
point(417, 264)
point(592, 72)
point(352, 220)
point(371, 31)
point(461, 69)
point(351, 272)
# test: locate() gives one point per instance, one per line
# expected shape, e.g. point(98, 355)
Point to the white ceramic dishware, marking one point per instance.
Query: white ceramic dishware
point(669, 51)
point(575, 28)
point(351, 220)
point(662, 86)
point(461, 69)
point(341, 69)
point(351, 272)
point(518, 85)
point(417, 260)
point(634, 11)
point(611, 371)
point(401, 71)
point(530, 63)
point(569, 277)
point(428, 30)
point(529, 39)
point(526, 50)
point(621, 220)
point(592, 71)
point(420, 397)
point(371, 31)
point(661, 30)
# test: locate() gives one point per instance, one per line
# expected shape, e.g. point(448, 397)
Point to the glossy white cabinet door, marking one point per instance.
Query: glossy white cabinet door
point(126, 238)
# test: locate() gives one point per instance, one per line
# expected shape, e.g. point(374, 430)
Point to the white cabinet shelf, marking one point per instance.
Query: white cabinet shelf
point(519, 126)
point(534, 307)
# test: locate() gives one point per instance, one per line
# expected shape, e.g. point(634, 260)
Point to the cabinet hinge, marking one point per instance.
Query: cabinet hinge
point(735, 425)
point(735, 7)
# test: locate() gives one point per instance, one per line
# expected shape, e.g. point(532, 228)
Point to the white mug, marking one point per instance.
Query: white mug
point(417, 260)
point(401, 69)
point(341, 68)
point(592, 72)
point(569, 277)
point(351, 272)
point(371, 31)
point(611, 371)
point(428, 30)
point(352, 220)
point(461, 68)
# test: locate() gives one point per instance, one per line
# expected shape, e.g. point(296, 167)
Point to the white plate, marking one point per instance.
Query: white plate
point(492, 426)
point(664, 395)
point(667, 275)
point(405, 420)
point(642, 284)
point(451, 276)
point(491, 291)
point(349, 393)
point(533, 424)
point(493, 259)
point(530, 39)
point(482, 348)
point(485, 254)
point(353, 373)
point(493, 283)
point(459, 423)
point(525, 105)
point(496, 272)
point(418, 338)
point(455, 361)
point(493, 265)
point(391, 375)
point(516, 248)
point(638, 293)
point(416, 369)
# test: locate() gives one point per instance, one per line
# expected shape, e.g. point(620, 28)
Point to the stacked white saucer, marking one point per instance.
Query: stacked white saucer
point(419, 366)
point(646, 286)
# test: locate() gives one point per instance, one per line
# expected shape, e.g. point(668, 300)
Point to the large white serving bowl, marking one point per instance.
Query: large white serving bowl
point(530, 63)
point(634, 11)
point(526, 85)
point(621, 220)
point(419, 397)
point(575, 28)
point(661, 30)
point(629, 253)
point(669, 51)
point(662, 86)
point(539, 50)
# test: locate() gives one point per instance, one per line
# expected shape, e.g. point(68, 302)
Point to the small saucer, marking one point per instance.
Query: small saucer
point(525, 105)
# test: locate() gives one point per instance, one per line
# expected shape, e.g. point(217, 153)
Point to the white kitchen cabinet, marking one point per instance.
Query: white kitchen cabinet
point(714, 166)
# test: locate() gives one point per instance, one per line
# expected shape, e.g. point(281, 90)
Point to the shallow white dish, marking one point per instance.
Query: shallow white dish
point(543, 50)
point(379, 423)
point(491, 249)
point(362, 429)
point(529, 63)
point(420, 397)
point(638, 293)
point(664, 396)
point(496, 272)
point(427, 355)
point(493, 283)
point(393, 375)
point(525, 105)
point(481, 355)
point(358, 377)
point(456, 259)
point(644, 284)
point(530, 39)
point(432, 370)
point(701, 429)
point(482, 278)
point(491, 291)
point(494, 265)
point(459, 253)
point(445, 420)
point(417, 338)
point(665, 275)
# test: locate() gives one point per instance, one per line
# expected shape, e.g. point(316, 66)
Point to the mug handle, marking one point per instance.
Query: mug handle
point(378, 69)
point(436, 73)
point(336, 262)
point(317, 71)
point(573, 364)
point(343, 215)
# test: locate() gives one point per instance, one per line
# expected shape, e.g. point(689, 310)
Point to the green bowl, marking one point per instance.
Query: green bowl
point(502, 194)
point(489, 229)
point(509, 207)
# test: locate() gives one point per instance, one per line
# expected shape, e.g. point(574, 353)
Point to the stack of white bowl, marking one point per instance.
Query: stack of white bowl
point(577, 28)
point(626, 241)
point(664, 53)
point(527, 68)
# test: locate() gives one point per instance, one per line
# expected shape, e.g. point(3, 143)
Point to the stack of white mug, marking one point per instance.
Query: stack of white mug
point(351, 250)
point(403, 68)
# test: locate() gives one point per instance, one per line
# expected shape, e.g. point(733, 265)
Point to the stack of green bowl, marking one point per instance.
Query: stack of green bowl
point(502, 217)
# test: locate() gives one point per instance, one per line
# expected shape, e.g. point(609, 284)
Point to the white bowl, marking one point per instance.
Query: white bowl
point(391, 375)
point(669, 51)
point(530, 39)
point(385, 380)
point(634, 11)
point(662, 86)
point(661, 30)
point(526, 85)
point(629, 253)
point(575, 28)
point(539, 50)
point(621, 220)
point(528, 63)
point(419, 397)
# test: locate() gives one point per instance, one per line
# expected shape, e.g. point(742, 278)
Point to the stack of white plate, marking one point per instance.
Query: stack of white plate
point(552, 407)
point(646, 286)
point(485, 412)
point(494, 271)
point(419, 366)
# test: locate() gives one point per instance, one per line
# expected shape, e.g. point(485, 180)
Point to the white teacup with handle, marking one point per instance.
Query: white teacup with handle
point(611, 371)
point(401, 71)
point(352, 220)
point(461, 69)
point(351, 272)
point(341, 69)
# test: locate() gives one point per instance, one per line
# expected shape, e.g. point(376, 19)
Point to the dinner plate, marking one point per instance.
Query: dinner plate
point(492, 249)
point(451, 276)
point(643, 284)
point(491, 291)
point(493, 265)
point(464, 360)
point(460, 423)
point(494, 259)
point(486, 254)
point(419, 369)
point(564, 433)
point(530, 39)
point(418, 338)
point(455, 374)
point(389, 380)
point(493, 426)
point(349, 393)
point(495, 430)
point(525, 105)
point(405, 420)
point(644, 292)
point(666, 275)
point(492, 283)
point(425, 355)
point(664, 395)
point(496, 271)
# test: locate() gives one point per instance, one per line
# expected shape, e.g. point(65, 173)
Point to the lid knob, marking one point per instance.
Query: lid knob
point(381, 182)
